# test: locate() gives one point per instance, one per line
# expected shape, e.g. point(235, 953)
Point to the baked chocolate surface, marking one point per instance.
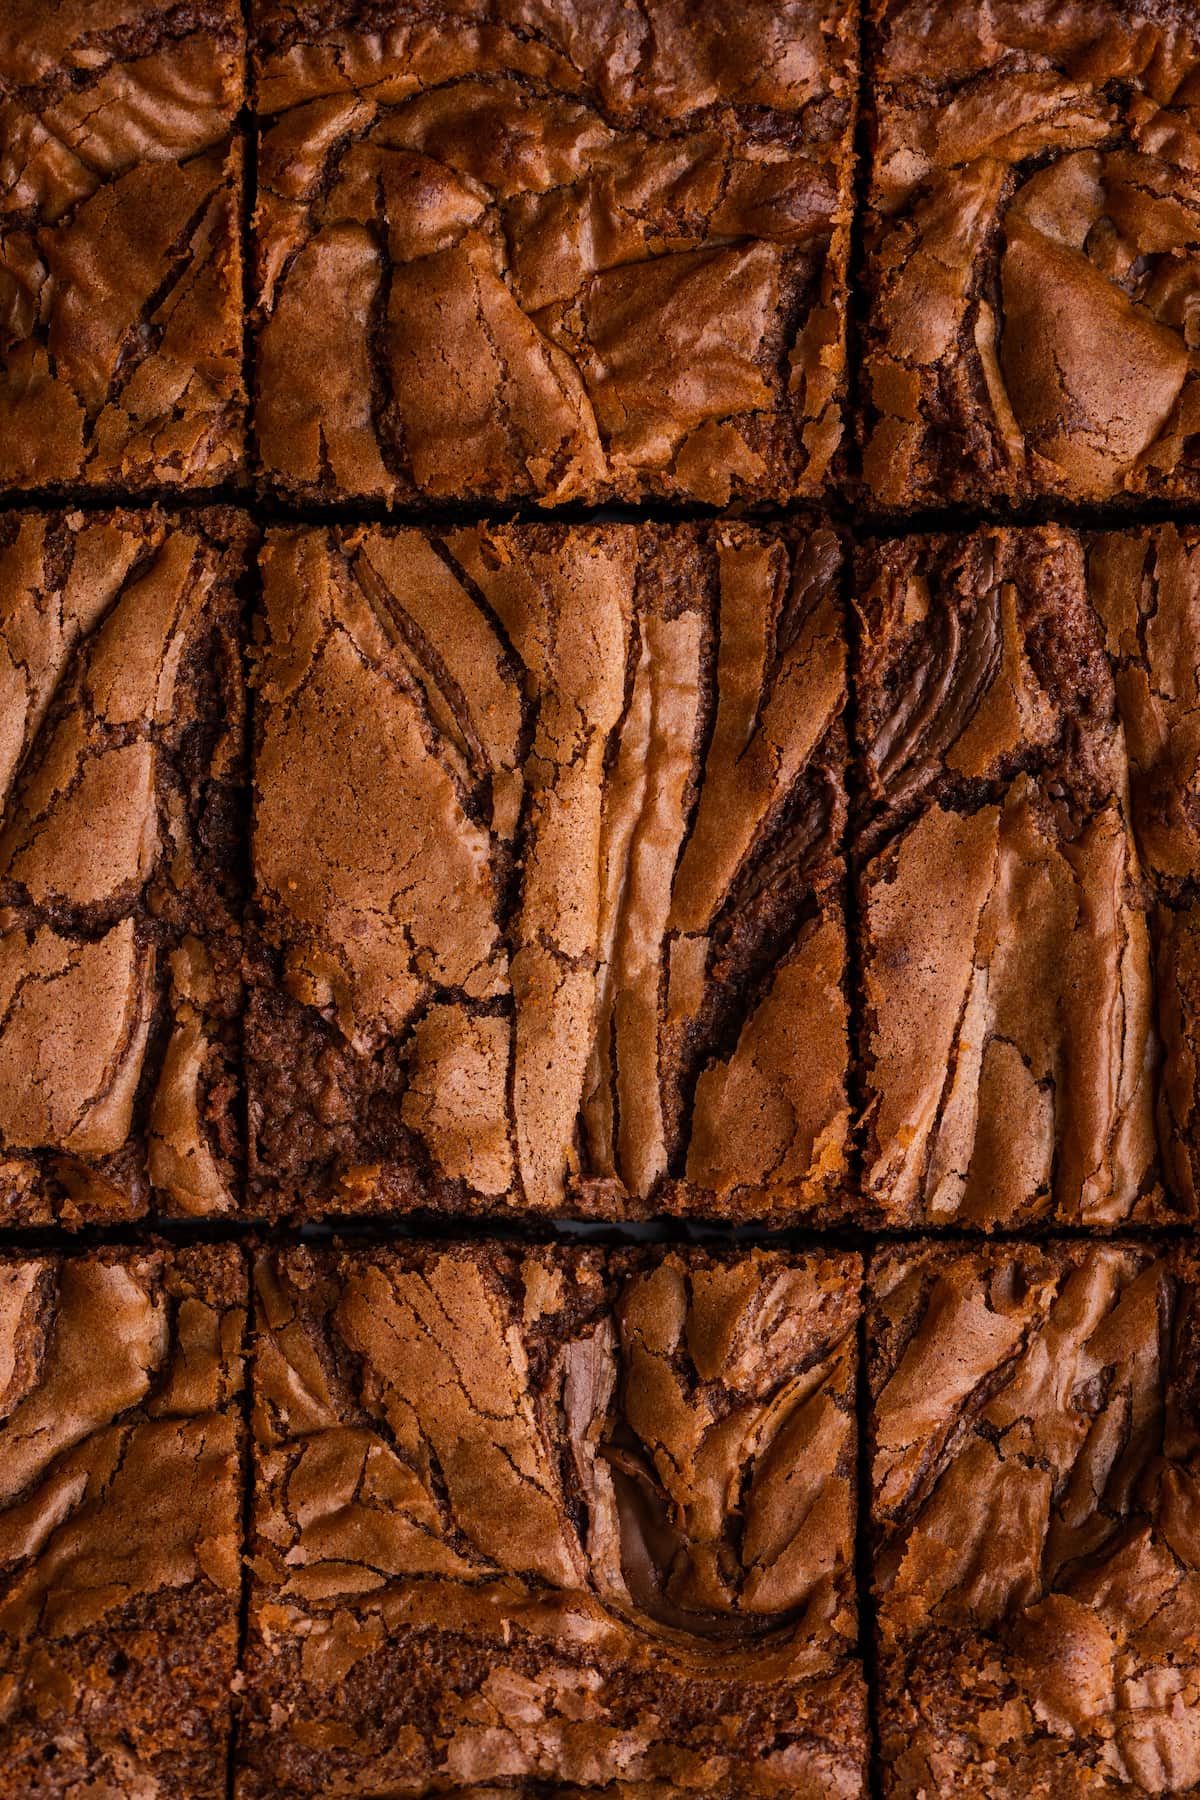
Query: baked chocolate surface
point(1145, 587)
point(1033, 251)
point(1008, 1043)
point(548, 906)
point(559, 250)
point(563, 1516)
point(121, 863)
point(120, 1502)
point(1036, 1457)
point(120, 256)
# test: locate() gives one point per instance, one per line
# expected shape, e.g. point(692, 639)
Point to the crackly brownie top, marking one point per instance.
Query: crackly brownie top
point(1145, 586)
point(118, 1459)
point(979, 657)
point(1036, 1472)
point(120, 284)
point(590, 219)
point(1037, 174)
point(1008, 1036)
point(535, 1453)
point(120, 750)
point(578, 859)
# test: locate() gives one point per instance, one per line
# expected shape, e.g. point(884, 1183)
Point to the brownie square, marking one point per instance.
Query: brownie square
point(547, 872)
point(557, 1515)
point(120, 1511)
point(120, 261)
point(1032, 251)
point(121, 869)
point(510, 250)
point(1007, 1044)
point(1145, 586)
point(1036, 1471)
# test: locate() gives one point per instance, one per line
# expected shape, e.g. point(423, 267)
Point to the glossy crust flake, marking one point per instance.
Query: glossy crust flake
point(547, 872)
point(121, 773)
point(1036, 1499)
point(1008, 1043)
point(546, 249)
point(550, 1515)
point(1033, 251)
point(120, 1502)
point(120, 260)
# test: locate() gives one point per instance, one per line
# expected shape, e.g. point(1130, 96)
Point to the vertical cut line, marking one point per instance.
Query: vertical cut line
point(251, 609)
point(864, 1559)
point(245, 1525)
point(856, 307)
point(248, 127)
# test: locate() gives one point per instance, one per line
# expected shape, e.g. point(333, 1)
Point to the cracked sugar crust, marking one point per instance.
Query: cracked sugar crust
point(1145, 586)
point(120, 259)
point(566, 1516)
point(1008, 1042)
point(1033, 252)
point(1036, 1493)
point(547, 872)
point(122, 753)
point(556, 251)
point(120, 1499)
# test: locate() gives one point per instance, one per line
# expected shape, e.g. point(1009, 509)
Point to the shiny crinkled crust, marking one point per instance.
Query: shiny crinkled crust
point(561, 927)
point(1008, 1039)
point(120, 250)
point(122, 763)
point(578, 1517)
point(1033, 251)
point(1036, 1489)
point(561, 251)
point(1145, 587)
point(120, 1501)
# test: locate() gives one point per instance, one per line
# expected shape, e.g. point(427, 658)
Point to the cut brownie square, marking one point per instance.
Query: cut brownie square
point(547, 872)
point(552, 251)
point(1033, 251)
point(1008, 1043)
point(1036, 1498)
point(120, 266)
point(566, 1515)
point(121, 873)
point(1146, 588)
point(120, 1512)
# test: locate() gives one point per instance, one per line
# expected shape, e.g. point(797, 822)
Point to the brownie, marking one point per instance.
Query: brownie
point(1036, 1469)
point(559, 250)
point(1032, 238)
point(1007, 1042)
point(553, 1515)
point(120, 1501)
point(121, 868)
point(120, 261)
point(1145, 586)
point(547, 872)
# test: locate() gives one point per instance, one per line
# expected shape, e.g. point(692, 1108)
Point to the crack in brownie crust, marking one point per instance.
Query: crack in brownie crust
point(1008, 1038)
point(1036, 1500)
point(121, 772)
point(1033, 239)
point(573, 1515)
point(120, 1494)
point(547, 872)
point(120, 260)
point(552, 250)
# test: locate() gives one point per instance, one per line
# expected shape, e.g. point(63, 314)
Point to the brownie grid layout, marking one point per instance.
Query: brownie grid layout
point(386, 903)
